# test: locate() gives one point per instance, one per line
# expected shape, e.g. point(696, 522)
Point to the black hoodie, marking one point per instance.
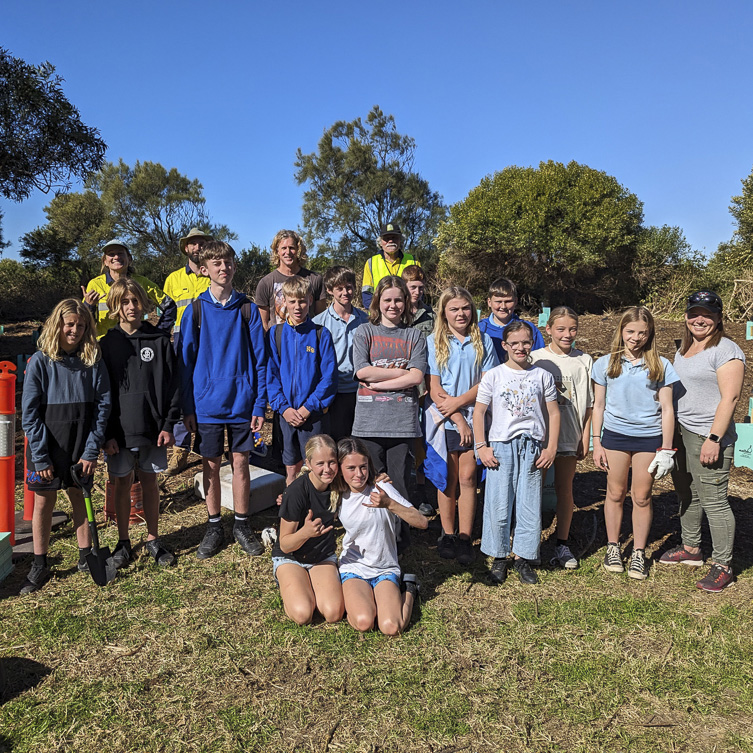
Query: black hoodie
point(144, 381)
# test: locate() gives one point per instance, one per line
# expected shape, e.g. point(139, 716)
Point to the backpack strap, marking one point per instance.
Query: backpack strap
point(278, 336)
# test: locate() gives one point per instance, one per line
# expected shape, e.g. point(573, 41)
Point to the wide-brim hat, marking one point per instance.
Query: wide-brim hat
point(390, 228)
point(194, 232)
point(116, 242)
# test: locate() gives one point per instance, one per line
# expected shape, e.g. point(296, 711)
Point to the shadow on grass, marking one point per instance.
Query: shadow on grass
point(18, 675)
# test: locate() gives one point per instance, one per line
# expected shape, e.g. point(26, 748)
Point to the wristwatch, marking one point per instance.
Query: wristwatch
point(714, 438)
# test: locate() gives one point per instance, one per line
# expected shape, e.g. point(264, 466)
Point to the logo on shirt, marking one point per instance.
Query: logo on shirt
point(147, 354)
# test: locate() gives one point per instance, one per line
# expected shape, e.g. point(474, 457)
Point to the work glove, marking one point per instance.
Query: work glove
point(662, 463)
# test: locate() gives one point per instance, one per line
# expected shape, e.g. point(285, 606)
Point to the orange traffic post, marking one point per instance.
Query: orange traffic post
point(7, 449)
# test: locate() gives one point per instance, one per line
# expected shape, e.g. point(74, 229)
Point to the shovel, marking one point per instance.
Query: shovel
point(100, 562)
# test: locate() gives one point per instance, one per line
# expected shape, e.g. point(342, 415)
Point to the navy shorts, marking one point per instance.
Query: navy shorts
point(210, 439)
point(452, 439)
point(611, 440)
point(294, 438)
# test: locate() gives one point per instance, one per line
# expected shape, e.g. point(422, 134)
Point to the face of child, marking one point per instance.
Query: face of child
point(323, 464)
point(392, 305)
point(459, 314)
point(71, 332)
point(503, 307)
point(416, 290)
point(287, 250)
point(219, 271)
point(116, 259)
point(343, 294)
point(355, 471)
point(297, 308)
point(563, 332)
point(518, 346)
point(635, 335)
point(131, 310)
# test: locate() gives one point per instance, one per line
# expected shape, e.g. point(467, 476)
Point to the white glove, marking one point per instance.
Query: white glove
point(662, 463)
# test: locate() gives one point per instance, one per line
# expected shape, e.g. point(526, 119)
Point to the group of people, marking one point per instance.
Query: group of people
point(359, 397)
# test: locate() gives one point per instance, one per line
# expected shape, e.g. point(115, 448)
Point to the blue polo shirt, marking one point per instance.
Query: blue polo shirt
point(342, 339)
point(461, 372)
point(495, 331)
point(632, 406)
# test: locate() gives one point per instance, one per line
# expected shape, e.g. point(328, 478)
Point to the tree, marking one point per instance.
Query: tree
point(44, 143)
point(3, 243)
point(565, 233)
point(362, 176)
point(736, 255)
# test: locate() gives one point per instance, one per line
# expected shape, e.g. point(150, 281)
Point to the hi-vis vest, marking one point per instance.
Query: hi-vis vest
point(183, 286)
point(378, 267)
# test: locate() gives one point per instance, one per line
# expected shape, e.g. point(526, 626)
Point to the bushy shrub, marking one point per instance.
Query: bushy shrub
point(32, 294)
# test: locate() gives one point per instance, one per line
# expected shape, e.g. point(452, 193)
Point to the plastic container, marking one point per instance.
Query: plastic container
point(137, 503)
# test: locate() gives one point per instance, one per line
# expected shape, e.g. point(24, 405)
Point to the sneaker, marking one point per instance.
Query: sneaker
point(525, 572)
point(178, 461)
point(122, 555)
point(83, 566)
point(613, 559)
point(247, 540)
point(464, 551)
point(563, 557)
point(498, 571)
point(680, 555)
point(162, 555)
point(716, 580)
point(638, 568)
point(37, 577)
point(212, 543)
point(446, 546)
point(426, 510)
point(411, 585)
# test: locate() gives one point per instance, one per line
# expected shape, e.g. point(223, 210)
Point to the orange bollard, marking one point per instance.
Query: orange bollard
point(7, 449)
point(28, 496)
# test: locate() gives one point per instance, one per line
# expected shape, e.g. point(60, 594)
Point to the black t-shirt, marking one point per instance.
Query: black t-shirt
point(297, 500)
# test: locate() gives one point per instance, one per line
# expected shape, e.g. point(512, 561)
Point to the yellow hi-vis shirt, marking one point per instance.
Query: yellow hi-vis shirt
point(183, 286)
point(378, 266)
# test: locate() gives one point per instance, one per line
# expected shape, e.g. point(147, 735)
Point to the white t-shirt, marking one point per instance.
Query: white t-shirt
point(572, 377)
point(369, 544)
point(517, 399)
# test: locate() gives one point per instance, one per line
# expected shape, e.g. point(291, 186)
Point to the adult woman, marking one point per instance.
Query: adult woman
point(711, 369)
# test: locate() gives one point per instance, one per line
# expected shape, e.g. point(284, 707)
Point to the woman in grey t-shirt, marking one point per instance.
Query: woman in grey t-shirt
point(711, 369)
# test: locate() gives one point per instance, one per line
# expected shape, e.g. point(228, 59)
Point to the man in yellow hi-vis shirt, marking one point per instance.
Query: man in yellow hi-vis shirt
point(391, 261)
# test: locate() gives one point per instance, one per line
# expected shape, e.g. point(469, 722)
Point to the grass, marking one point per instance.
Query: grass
point(201, 657)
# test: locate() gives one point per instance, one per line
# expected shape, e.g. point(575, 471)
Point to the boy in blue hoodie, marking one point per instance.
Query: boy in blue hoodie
point(223, 389)
point(301, 374)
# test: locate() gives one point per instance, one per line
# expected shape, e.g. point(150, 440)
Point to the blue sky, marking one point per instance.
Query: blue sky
point(655, 93)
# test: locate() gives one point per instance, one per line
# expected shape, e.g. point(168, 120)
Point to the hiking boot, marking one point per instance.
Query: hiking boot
point(613, 559)
point(37, 577)
point(162, 555)
point(498, 571)
point(680, 555)
point(464, 551)
point(122, 554)
point(247, 540)
point(563, 557)
point(212, 543)
point(426, 510)
point(446, 546)
point(178, 461)
point(716, 580)
point(637, 568)
point(525, 572)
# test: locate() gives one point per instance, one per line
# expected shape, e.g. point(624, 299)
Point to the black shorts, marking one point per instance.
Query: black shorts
point(210, 439)
point(611, 440)
point(452, 438)
point(61, 467)
point(294, 438)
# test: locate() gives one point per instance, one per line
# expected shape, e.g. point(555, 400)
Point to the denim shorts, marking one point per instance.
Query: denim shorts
point(277, 561)
point(391, 577)
point(150, 459)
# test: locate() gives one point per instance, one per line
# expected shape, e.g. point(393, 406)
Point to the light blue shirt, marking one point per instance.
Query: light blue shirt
point(461, 372)
point(632, 406)
point(342, 339)
point(232, 298)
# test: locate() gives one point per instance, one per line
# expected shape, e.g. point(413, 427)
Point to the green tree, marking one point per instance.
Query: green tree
point(44, 143)
point(736, 255)
point(362, 176)
point(565, 233)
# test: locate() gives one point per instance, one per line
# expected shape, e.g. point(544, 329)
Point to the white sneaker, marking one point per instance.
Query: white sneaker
point(563, 557)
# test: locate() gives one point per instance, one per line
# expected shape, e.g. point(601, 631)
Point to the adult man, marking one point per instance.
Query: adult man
point(183, 286)
point(288, 255)
point(392, 260)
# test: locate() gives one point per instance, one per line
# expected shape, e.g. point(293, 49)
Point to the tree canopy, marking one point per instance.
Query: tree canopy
point(44, 143)
point(362, 176)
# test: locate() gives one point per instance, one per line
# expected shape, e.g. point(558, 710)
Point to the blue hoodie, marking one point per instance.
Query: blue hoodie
point(495, 331)
point(305, 373)
point(223, 370)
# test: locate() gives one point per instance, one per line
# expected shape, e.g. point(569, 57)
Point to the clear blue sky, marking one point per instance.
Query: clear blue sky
point(655, 93)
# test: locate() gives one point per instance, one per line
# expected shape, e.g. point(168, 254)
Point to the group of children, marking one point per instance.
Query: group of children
point(354, 393)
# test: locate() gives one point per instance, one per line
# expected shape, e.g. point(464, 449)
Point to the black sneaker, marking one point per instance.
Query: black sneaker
point(464, 551)
point(446, 546)
point(37, 577)
point(122, 554)
point(212, 543)
point(83, 566)
point(498, 571)
point(426, 510)
point(247, 540)
point(162, 555)
point(525, 572)
point(411, 585)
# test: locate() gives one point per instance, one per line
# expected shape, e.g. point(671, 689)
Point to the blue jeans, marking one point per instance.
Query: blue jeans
point(515, 484)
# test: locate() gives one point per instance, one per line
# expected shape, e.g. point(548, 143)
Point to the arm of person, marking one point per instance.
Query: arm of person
point(32, 420)
point(259, 360)
point(667, 417)
point(326, 388)
point(549, 453)
point(172, 392)
point(187, 352)
point(373, 374)
point(597, 420)
point(404, 510)
point(412, 378)
point(484, 452)
point(585, 440)
point(102, 405)
point(729, 377)
point(165, 305)
point(293, 537)
point(275, 393)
